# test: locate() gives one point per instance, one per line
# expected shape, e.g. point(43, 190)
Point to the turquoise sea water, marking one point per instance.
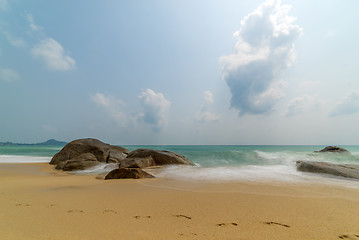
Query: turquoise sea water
point(216, 163)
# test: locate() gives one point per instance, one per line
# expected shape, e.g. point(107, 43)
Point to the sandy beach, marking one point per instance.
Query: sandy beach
point(38, 202)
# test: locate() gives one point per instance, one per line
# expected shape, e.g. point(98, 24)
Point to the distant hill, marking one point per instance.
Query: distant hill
point(50, 142)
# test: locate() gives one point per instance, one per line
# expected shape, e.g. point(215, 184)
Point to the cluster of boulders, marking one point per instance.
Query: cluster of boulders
point(82, 154)
point(342, 170)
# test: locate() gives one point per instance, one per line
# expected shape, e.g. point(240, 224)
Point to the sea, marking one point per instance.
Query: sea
point(218, 163)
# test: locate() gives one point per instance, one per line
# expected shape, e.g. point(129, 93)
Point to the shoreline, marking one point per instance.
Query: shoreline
point(38, 202)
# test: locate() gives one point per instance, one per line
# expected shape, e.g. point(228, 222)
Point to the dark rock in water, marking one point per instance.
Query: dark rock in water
point(333, 149)
point(342, 170)
point(159, 157)
point(121, 173)
point(73, 154)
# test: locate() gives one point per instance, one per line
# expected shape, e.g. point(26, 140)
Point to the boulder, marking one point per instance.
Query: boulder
point(333, 149)
point(81, 162)
point(158, 157)
point(121, 173)
point(342, 170)
point(137, 162)
point(84, 153)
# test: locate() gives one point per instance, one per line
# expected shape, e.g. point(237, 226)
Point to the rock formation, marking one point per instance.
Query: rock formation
point(149, 157)
point(334, 149)
point(342, 170)
point(85, 153)
point(121, 173)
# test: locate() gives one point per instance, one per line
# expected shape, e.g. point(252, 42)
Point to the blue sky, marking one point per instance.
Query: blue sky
point(180, 72)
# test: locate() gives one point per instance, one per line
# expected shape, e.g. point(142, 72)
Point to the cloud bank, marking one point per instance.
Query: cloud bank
point(348, 105)
point(264, 49)
point(156, 108)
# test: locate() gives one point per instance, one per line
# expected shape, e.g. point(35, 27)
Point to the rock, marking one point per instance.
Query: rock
point(159, 157)
point(72, 155)
point(116, 154)
point(137, 162)
point(121, 173)
point(79, 165)
point(333, 149)
point(81, 162)
point(343, 170)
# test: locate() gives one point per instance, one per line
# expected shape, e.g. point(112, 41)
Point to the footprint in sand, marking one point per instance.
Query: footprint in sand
point(182, 216)
point(349, 236)
point(75, 211)
point(23, 205)
point(275, 223)
point(109, 211)
point(182, 234)
point(227, 224)
point(138, 217)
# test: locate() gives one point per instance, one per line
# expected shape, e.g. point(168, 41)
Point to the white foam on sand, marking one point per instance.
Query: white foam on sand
point(251, 173)
point(23, 159)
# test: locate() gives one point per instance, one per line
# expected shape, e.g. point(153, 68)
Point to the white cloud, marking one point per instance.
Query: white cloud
point(208, 96)
point(52, 53)
point(156, 108)
point(8, 75)
point(15, 41)
point(204, 115)
point(302, 104)
point(4, 5)
point(264, 49)
point(111, 105)
point(348, 105)
point(32, 24)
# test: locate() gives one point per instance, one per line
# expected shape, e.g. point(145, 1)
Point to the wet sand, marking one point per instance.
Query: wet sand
point(37, 202)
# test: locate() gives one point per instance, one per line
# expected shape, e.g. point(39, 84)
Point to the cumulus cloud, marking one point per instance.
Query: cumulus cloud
point(156, 108)
point(52, 53)
point(348, 105)
point(8, 75)
point(111, 105)
point(302, 104)
point(264, 49)
point(205, 115)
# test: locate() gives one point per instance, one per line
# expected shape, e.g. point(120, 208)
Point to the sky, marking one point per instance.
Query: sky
point(242, 72)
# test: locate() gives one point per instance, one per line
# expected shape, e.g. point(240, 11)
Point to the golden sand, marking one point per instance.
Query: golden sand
point(37, 202)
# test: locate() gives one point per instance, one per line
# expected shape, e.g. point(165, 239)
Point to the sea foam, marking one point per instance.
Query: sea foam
point(23, 159)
